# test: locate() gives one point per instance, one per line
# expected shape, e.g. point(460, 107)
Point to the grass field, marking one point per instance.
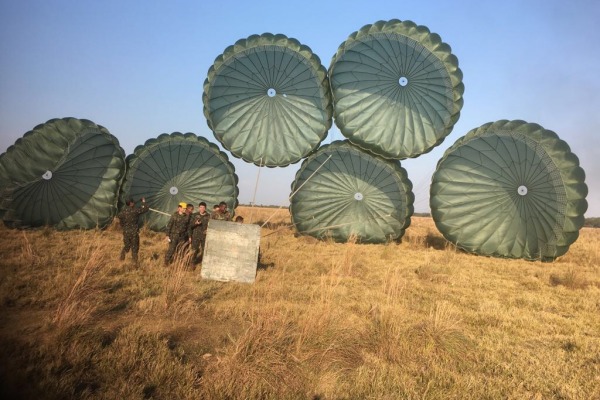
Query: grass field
point(415, 320)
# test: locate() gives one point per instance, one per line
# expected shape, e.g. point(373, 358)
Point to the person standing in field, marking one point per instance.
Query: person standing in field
point(129, 217)
point(223, 215)
point(176, 231)
point(197, 231)
point(215, 212)
point(189, 210)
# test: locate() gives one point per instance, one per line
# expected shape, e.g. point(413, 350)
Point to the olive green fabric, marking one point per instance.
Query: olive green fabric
point(64, 173)
point(176, 168)
point(344, 193)
point(397, 89)
point(267, 100)
point(510, 189)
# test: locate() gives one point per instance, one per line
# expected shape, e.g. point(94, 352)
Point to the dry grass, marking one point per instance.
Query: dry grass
point(323, 320)
point(77, 306)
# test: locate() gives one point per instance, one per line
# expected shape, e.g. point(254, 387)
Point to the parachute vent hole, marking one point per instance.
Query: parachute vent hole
point(358, 196)
point(47, 175)
point(522, 190)
point(271, 92)
point(173, 190)
point(403, 81)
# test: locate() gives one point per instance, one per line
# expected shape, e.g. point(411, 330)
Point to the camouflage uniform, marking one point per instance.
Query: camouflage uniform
point(176, 232)
point(131, 231)
point(226, 216)
point(197, 232)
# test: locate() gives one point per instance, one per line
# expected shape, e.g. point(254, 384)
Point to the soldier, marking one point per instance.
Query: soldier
point(223, 213)
point(131, 230)
point(189, 210)
point(197, 230)
point(176, 231)
point(215, 212)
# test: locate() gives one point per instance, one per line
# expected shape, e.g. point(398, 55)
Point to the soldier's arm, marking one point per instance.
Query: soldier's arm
point(190, 228)
point(169, 226)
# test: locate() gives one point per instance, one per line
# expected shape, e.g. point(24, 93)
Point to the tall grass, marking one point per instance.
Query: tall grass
point(76, 308)
point(323, 320)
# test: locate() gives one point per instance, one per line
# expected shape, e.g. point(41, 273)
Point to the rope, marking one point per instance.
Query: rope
point(255, 190)
point(296, 191)
point(325, 227)
point(160, 212)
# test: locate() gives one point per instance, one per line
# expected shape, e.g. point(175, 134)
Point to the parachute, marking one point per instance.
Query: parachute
point(64, 173)
point(397, 89)
point(267, 100)
point(343, 192)
point(176, 168)
point(509, 189)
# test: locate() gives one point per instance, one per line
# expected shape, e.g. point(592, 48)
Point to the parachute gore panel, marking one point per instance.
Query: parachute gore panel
point(510, 189)
point(343, 192)
point(64, 173)
point(397, 89)
point(176, 168)
point(267, 100)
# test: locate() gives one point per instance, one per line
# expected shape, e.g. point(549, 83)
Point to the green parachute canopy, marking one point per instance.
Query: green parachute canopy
point(267, 100)
point(509, 189)
point(343, 192)
point(176, 168)
point(397, 89)
point(64, 173)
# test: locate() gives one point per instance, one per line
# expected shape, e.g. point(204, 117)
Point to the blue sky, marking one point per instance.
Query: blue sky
point(137, 68)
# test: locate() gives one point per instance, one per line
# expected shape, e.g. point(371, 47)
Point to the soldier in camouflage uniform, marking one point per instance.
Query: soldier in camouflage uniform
point(197, 230)
point(131, 231)
point(215, 212)
point(176, 231)
point(189, 210)
point(224, 215)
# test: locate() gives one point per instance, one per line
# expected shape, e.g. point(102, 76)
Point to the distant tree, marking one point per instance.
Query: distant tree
point(592, 222)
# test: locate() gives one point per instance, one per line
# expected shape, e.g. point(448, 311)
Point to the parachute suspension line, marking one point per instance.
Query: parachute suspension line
point(160, 212)
point(308, 179)
point(325, 227)
point(280, 229)
point(346, 223)
point(255, 190)
point(421, 190)
point(296, 191)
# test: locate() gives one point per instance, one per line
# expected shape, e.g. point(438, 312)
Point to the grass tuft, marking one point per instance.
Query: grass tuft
point(570, 279)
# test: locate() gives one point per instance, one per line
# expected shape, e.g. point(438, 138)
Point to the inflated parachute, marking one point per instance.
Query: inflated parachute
point(509, 189)
point(176, 168)
point(397, 89)
point(64, 173)
point(267, 100)
point(345, 193)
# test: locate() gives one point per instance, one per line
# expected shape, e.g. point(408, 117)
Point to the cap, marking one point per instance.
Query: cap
point(183, 204)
